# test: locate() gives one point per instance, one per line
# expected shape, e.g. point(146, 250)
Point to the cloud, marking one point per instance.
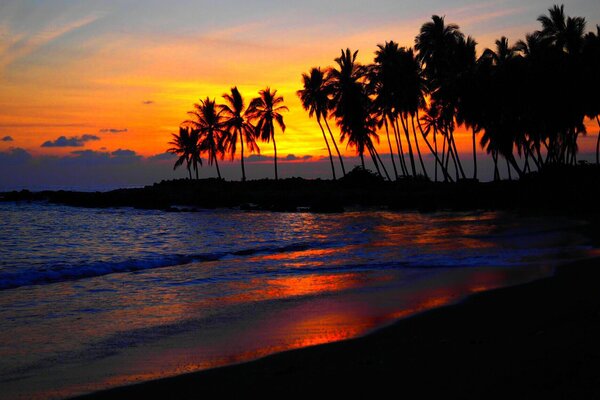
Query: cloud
point(14, 156)
point(293, 157)
point(147, 102)
point(258, 158)
point(21, 45)
point(163, 157)
point(73, 141)
point(7, 139)
point(101, 157)
point(113, 130)
point(123, 153)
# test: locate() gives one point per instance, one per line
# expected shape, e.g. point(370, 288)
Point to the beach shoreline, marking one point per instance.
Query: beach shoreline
point(531, 340)
point(559, 190)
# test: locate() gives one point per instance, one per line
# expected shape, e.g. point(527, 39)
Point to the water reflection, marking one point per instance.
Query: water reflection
point(151, 303)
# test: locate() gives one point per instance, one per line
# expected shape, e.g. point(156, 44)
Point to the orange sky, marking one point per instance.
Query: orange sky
point(72, 69)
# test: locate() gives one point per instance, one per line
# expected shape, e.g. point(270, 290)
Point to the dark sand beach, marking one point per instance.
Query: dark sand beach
point(537, 340)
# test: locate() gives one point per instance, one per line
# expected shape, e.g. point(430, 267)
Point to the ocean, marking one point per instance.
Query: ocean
point(95, 298)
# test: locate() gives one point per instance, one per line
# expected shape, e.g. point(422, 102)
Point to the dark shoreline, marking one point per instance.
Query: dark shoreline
point(564, 190)
point(536, 340)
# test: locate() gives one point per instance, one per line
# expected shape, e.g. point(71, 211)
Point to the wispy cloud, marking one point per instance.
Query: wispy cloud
point(113, 130)
point(14, 46)
point(73, 141)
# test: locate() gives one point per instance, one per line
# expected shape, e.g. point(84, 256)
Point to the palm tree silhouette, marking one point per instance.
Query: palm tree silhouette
point(566, 33)
point(240, 129)
point(213, 134)
point(440, 47)
point(185, 145)
point(352, 106)
point(385, 79)
point(315, 99)
point(591, 57)
point(264, 110)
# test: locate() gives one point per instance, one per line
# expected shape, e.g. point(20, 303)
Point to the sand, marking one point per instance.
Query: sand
point(537, 340)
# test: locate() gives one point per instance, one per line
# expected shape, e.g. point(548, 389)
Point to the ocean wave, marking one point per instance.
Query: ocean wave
point(48, 274)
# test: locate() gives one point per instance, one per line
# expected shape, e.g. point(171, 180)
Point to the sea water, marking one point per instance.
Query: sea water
point(94, 298)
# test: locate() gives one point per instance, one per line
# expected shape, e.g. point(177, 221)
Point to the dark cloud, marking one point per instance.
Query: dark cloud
point(123, 153)
point(258, 158)
point(147, 102)
point(293, 157)
point(7, 139)
point(14, 156)
point(163, 157)
point(120, 156)
point(113, 130)
point(73, 141)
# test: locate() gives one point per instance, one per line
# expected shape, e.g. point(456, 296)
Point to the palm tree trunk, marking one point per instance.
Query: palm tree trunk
point(217, 165)
point(412, 121)
point(410, 152)
point(275, 159)
point(328, 148)
point(432, 150)
point(336, 147)
point(496, 172)
point(196, 169)
point(436, 150)
point(399, 146)
point(514, 164)
point(362, 160)
point(508, 169)
point(242, 155)
point(387, 133)
point(370, 148)
point(444, 163)
point(474, 156)
point(462, 172)
point(451, 154)
point(598, 143)
point(189, 171)
point(381, 162)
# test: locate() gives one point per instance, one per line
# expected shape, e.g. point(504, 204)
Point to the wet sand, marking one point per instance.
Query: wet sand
point(537, 340)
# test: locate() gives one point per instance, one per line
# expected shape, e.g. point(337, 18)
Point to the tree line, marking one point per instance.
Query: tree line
point(527, 102)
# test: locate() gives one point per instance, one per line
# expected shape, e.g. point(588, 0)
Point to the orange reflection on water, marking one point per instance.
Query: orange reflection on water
point(294, 286)
point(441, 233)
point(297, 258)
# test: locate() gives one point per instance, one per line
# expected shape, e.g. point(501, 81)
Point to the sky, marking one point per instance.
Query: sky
point(90, 90)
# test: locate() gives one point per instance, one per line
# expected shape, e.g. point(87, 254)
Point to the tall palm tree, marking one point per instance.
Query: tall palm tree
point(385, 81)
point(352, 105)
point(315, 99)
point(240, 129)
point(442, 51)
point(591, 56)
point(213, 133)
point(265, 110)
point(185, 145)
point(566, 33)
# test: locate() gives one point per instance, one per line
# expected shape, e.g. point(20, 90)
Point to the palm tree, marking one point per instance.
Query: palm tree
point(591, 56)
point(213, 133)
point(240, 130)
point(315, 99)
point(353, 108)
point(566, 33)
point(266, 109)
point(185, 145)
point(385, 81)
point(443, 52)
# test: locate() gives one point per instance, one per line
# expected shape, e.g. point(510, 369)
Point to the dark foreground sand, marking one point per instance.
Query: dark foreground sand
point(538, 340)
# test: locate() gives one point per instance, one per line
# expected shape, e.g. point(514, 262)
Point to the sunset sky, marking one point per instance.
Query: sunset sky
point(115, 78)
